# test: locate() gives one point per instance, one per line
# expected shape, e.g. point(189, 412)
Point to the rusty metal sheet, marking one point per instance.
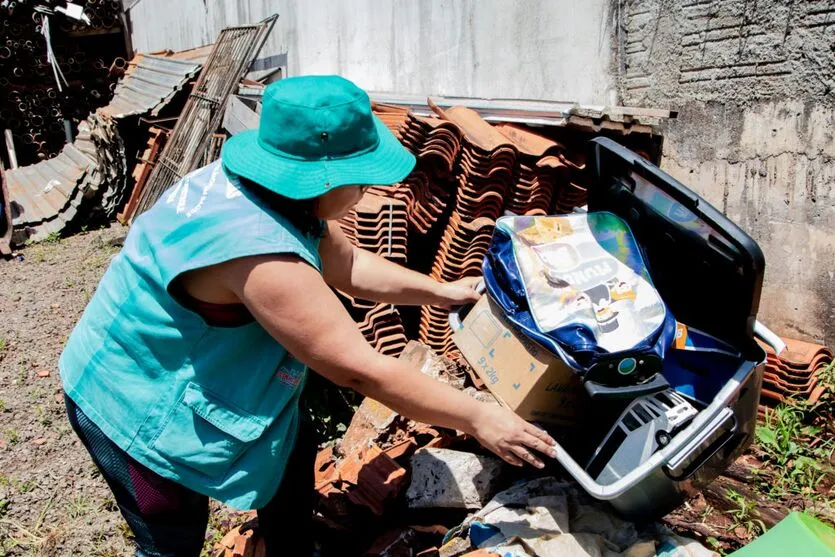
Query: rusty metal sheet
point(151, 84)
point(47, 196)
point(40, 192)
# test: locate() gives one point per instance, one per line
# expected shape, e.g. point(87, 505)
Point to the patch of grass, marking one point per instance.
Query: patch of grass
point(63, 429)
point(2, 344)
point(799, 464)
point(51, 238)
point(37, 393)
point(27, 486)
point(99, 260)
point(79, 506)
point(827, 375)
point(33, 540)
point(69, 283)
point(125, 531)
point(13, 436)
point(43, 416)
point(39, 254)
point(743, 515)
point(715, 545)
point(2, 405)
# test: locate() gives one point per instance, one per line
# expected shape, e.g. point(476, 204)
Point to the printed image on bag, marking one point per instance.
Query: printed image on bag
point(586, 270)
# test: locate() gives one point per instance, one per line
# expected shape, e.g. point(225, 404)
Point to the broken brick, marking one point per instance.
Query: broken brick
point(369, 423)
point(367, 478)
point(376, 479)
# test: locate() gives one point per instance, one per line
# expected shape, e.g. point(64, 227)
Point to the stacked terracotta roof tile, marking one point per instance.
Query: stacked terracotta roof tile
point(379, 225)
point(541, 172)
point(468, 174)
point(484, 179)
point(425, 197)
point(435, 142)
point(795, 374)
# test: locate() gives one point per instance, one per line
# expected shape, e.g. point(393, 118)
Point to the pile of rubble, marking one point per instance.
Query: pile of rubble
point(394, 487)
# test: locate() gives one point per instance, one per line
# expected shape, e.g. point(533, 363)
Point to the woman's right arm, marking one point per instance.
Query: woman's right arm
point(291, 300)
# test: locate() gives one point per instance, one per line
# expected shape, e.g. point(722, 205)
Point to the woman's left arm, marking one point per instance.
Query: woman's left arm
point(365, 275)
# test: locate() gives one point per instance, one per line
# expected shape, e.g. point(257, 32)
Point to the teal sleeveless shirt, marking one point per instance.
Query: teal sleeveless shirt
point(214, 409)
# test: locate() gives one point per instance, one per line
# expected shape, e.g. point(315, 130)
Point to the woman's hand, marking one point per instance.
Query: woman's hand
point(511, 437)
point(458, 293)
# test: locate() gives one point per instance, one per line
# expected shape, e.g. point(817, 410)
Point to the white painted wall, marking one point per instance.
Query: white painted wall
point(538, 49)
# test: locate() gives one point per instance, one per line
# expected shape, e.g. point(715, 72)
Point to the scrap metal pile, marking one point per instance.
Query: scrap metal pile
point(37, 99)
point(87, 181)
point(48, 196)
point(88, 178)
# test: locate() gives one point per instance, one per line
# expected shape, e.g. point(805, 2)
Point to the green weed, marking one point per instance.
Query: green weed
point(125, 531)
point(51, 238)
point(28, 486)
point(743, 515)
point(37, 393)
point(786, 442)
point(78, 506)
point(13, 436)
point(43, 417)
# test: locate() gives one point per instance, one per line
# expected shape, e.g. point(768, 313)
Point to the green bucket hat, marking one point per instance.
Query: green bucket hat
point(317, 133)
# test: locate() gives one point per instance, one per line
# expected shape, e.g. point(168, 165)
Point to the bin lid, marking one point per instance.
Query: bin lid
point(797, 534)
point(707, 269)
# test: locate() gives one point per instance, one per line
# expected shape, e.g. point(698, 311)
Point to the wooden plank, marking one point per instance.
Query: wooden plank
point(239, 117)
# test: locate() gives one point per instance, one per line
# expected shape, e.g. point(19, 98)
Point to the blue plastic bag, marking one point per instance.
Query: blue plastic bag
point(578, 285)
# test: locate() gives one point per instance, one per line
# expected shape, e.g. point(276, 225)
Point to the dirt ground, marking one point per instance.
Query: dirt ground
point(52, 499)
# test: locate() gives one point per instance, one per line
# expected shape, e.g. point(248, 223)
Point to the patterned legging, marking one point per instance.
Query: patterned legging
point(169, 520)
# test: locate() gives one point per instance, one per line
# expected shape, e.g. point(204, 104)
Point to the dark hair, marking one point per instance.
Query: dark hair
point(301, 213)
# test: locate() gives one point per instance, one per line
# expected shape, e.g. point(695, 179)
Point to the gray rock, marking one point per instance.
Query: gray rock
point(443, 478)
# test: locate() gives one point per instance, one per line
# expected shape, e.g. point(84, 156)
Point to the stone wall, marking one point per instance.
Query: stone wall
point(754, 83)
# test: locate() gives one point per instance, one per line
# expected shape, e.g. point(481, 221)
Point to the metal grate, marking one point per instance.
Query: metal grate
point(228, 62)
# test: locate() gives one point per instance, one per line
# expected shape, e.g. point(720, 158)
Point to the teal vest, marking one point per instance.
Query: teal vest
point(215, 409)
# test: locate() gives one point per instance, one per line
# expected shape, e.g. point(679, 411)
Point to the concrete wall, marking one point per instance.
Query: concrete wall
point(754, 81)
point(539, 49)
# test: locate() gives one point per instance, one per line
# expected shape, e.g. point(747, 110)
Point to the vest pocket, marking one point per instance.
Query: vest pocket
point(206, 433)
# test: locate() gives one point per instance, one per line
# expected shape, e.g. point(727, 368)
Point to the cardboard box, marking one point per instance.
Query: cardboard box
point(524, 376)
